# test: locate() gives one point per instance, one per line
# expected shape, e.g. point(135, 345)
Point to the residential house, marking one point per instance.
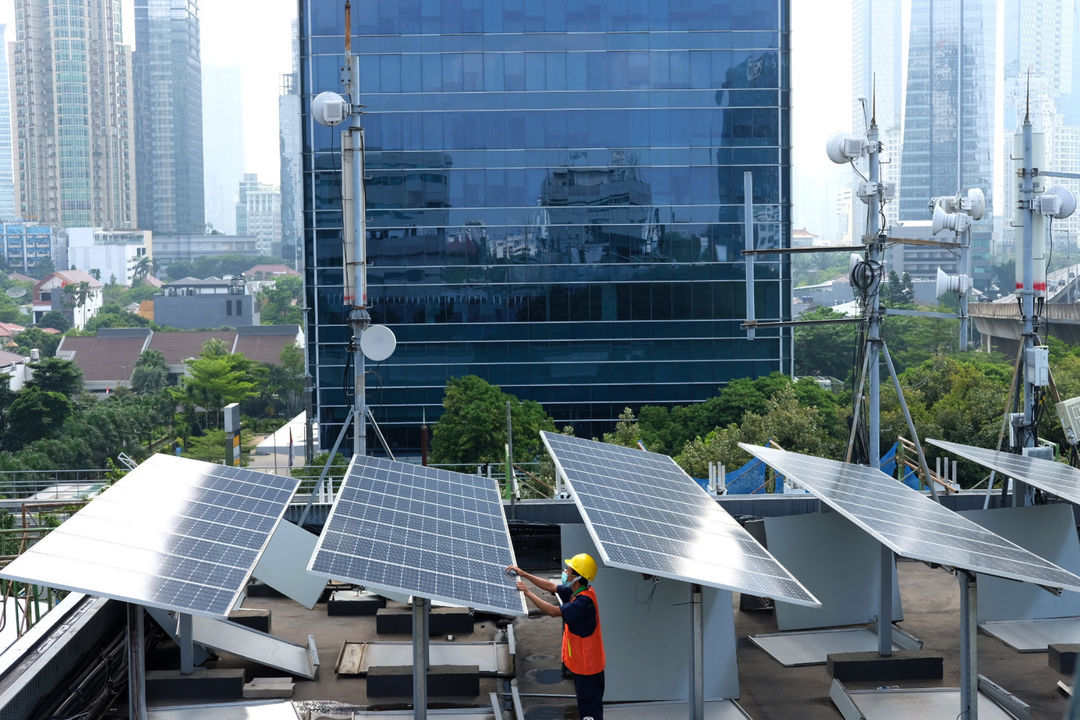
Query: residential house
point(49, 295)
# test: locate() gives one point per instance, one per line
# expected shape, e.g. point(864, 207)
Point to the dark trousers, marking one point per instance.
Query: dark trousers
point(590, 696)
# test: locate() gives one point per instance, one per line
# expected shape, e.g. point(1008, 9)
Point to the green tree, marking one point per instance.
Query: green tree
point(35, 414)
point(785, 421)
point(210, 447)
point(112, 316)
point(151, 372)
point(907, 289)
point(828, 349)
point(627, 433)
point(280, 302)
point(55, 374)
point(42, 269)
point(56, 320)
point(214, 381)
point(472, 428)
point(36, 339)
point(142, 267)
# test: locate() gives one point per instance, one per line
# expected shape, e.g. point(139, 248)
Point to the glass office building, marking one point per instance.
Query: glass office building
point(555, 201)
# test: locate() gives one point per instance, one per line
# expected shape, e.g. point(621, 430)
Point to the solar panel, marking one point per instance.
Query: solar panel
point(436, 534)
point(173, 533)
point(911, 524)
point(1053, 477)
point(646, 515)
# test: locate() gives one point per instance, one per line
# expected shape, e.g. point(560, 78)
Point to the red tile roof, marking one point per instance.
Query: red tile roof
point(264, 348)
point(102, 359)
point(179, 346)
point(258, 270)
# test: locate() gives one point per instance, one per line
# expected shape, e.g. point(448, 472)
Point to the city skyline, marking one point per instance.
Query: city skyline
point(262, 53)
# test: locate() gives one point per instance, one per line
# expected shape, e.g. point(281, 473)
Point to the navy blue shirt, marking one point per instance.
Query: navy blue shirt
point(578, 611)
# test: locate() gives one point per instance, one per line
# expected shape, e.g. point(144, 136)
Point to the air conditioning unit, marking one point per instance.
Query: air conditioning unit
point(1069, 414)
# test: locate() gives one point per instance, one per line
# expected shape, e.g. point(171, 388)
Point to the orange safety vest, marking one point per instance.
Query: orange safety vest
point(584, 655)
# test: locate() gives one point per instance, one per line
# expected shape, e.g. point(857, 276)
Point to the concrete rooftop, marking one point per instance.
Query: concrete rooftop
point(768, 690)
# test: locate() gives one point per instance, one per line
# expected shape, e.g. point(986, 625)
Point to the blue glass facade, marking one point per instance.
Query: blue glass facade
point(555, 200)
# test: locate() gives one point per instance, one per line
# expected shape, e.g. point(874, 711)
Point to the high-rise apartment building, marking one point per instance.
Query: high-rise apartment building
point(74, 135)
point(168, 116)
point(263, 214)
point(948, 137)
point(555, 202)
point(7, 177)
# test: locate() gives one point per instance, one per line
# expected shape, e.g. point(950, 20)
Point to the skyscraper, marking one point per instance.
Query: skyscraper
point(1040, 42)
point(7, 177)
point(877, 76)
point(223, 144)
point(292, 191)
point(555, 202)
point(168, 117)
point(948, 135)
point(74, 134)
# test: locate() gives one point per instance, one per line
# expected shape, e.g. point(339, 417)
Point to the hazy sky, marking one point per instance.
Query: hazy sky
point(255, 36)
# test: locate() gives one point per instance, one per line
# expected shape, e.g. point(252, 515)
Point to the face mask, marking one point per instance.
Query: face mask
point(564, 578)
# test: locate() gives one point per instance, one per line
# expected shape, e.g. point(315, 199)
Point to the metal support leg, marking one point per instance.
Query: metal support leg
point(910, 423)
point(187, 644)
point(136, 663)
point(1020, 494)
point(969, 627)
point(421, 660)
point(697, 655)
point(884, 622)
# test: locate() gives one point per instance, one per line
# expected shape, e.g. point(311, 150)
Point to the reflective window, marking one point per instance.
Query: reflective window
point(555, 200)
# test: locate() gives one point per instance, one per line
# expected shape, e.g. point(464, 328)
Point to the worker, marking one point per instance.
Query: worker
point(582, 643)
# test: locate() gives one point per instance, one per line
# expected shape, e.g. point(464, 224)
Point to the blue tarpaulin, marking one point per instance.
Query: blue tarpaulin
point(750, 478)
point(747, 480)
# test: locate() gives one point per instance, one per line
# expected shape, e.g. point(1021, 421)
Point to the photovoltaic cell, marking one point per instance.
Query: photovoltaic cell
point(436, 534)
point(1053, 477)
point(173, 533)
point(646, 515)
point(911, 524)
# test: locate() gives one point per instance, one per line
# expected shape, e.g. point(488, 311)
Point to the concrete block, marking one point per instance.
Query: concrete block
point(871, 667)
point(354, 602)
point(269, 687)
point(1062, 657)
point(216, 684)
point(442, 680)
point(253, 618)
point(442, 621)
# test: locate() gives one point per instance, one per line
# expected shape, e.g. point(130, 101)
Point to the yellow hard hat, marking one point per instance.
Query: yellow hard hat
point(583, 565)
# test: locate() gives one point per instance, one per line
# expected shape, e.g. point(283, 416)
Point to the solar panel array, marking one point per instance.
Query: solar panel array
point(432, 533)
point(1053, 477)
point(910, 523)
point(173, 533)
point(646, 515)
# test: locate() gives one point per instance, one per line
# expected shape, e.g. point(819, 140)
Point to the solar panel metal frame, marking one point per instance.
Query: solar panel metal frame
point(875, 505)
point(1053, 477)
point(153, 518)
point(357, 492)
point(708, 522)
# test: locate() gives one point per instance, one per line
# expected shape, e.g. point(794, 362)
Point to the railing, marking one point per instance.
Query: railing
point(26, 602)
point(50, 484)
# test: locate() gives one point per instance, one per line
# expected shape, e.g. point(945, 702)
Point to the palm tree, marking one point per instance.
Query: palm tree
point(141, 268)
point(76, 296)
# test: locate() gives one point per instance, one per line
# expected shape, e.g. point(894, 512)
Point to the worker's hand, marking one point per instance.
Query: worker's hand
point(513, 570)
point(521, 586)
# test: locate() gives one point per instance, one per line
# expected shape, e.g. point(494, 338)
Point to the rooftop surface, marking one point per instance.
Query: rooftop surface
point(768, 690)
